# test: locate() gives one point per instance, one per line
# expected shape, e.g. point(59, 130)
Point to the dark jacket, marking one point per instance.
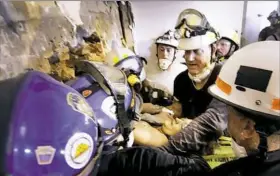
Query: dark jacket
point(268, 31)
point(194, 102)
point(250, 166)
point(146, 161)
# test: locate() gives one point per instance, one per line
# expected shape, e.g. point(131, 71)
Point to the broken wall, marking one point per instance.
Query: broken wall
point(29, 30)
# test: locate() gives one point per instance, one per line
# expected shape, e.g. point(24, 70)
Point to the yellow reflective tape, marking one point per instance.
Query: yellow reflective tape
point(215, 161)
point(115, 59)
point(124, 56)
point(222, 153)
point(224, 138)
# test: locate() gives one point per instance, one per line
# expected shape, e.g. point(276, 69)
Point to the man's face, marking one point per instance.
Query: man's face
point(242, 130)
point(273, 20)
point(197, 60)
point(223, 47)
point(165, 52)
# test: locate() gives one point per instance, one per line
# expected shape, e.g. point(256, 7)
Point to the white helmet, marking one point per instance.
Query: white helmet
point(197, 41)
point(249, 80)
point(131, 64)
point(231, 35)
point(194, 30)
point(168, 38)
point(117, 54)
point(125, 59)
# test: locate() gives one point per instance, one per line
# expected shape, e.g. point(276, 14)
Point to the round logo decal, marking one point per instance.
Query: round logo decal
point(79, 104)
point(109, 108)
point(78, 150)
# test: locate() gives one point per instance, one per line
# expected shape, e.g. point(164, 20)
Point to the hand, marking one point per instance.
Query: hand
point(176, 107)
point(165, 116)
point(151, 108)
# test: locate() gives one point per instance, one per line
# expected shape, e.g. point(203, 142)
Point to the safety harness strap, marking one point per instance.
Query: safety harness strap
point(262, 145)
point(123, 118)
point(119, 96)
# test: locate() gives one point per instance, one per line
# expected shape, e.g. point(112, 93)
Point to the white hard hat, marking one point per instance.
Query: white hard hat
point(194, 30)
point(117, 54)
point(168, 38)
point(197, 41)
point(230, 35)
point(125, 59)
point(249, 80)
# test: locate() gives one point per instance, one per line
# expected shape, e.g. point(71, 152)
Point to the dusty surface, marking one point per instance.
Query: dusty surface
point(32, 35)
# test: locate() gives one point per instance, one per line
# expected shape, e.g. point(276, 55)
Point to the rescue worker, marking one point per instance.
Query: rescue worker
point(165, 67)
point(148, 131)
point(133, 65)
point(166, 49)
point(274, 19)
point(227, 45)
point(48, 128)
point(198, 40)
point(249, 84)
point(125, 59)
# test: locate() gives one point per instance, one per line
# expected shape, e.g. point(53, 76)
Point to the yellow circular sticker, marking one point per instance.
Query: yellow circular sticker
point(78, 150)
point(115, 59)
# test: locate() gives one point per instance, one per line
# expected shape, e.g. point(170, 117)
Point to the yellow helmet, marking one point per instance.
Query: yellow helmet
point(231, 35)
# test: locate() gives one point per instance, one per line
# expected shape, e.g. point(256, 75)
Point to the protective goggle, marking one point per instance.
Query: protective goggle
point(192, 19)
point(132, 64)
point(192, 23)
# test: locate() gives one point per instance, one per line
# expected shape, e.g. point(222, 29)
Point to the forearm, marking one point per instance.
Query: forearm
point(150, 161)
point(196, 136)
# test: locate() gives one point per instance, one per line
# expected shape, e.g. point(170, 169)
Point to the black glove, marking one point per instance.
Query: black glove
point(156, 96)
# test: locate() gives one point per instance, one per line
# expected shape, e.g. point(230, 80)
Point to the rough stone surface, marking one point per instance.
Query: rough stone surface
point(32, 32)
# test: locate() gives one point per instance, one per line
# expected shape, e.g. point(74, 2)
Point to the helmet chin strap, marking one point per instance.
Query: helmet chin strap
point(203, 74)
point(230, 51)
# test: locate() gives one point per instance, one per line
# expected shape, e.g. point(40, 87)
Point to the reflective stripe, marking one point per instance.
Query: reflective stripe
point(223, 153)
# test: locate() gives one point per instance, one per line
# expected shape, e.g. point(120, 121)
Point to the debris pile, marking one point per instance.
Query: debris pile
point(59, 61)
